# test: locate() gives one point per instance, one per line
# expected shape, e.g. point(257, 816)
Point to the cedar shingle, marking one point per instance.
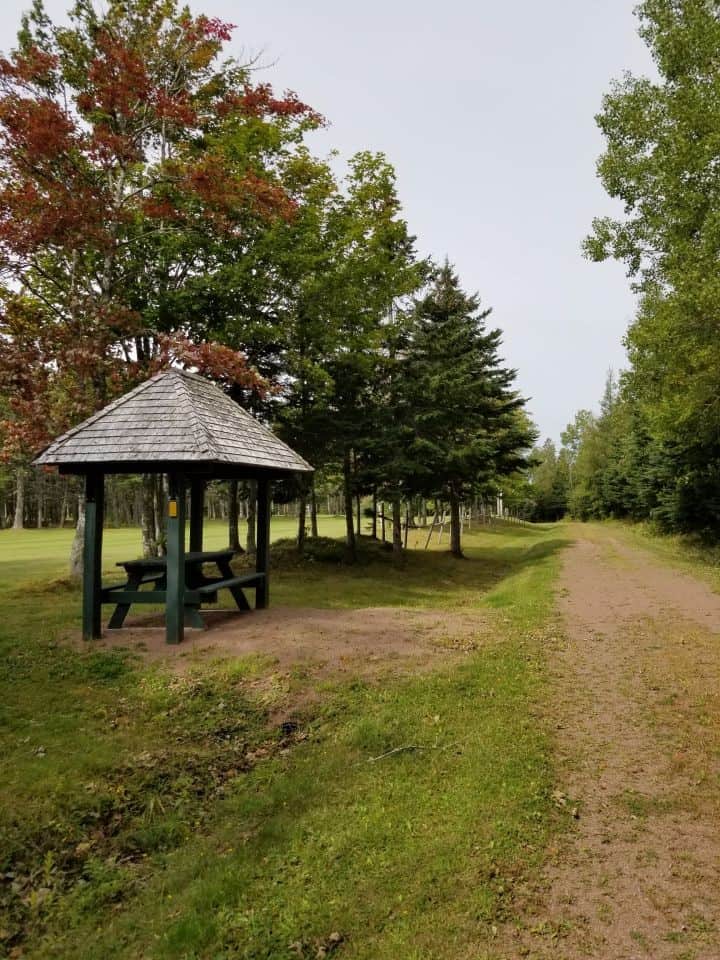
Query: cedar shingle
point(175, 416)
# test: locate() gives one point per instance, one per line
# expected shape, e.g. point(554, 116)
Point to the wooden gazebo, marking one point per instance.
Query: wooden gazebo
point(182, 425)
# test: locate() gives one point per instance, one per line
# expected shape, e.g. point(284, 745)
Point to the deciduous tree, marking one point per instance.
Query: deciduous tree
point(128, 154)
point(661, 158)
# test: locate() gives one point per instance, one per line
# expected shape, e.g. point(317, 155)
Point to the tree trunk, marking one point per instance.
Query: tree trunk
point(382, 521)
point(233, 516)
point(20, 477)
point(423, 512)
point(455, 532)
point(374, 516)
point(313, 513)
point(78, 544)
point(358, 515)
point(302, 516)
point(351, 549)
point(40, 504)
point(397, 528)
point(147, 517)
point(251, 546)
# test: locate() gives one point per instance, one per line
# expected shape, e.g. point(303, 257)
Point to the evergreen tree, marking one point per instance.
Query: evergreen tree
point(467, 422)
point(549, 476)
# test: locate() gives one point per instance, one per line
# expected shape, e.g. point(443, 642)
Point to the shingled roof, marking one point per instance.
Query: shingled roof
point(175, 417)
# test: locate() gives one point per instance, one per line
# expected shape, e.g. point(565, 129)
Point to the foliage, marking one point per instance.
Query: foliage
point(660, 161)
point(549, 477)
point(466, 427)
point(130, 154)
point(344, 261)
point(378, 269)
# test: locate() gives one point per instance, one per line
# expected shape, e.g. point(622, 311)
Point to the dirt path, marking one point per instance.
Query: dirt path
point(637, 714)
point(322, 641)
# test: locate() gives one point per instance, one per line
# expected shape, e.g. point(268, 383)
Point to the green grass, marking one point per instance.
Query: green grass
point(150, 815)
point(42, 555)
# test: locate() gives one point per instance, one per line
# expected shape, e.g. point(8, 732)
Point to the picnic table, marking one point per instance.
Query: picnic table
point(199, 588)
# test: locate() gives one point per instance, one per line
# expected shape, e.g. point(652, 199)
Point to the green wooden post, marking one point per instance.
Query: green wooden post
point(262, 560)
point(92, 555)
point(197, 509)
point(175, 596)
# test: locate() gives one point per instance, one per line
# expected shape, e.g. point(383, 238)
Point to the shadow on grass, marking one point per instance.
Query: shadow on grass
point(426, 578)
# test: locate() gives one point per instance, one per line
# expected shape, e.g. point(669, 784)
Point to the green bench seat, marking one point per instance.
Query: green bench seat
point(209, 589)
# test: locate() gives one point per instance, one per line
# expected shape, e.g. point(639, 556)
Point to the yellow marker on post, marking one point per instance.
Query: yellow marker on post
point(172, 508)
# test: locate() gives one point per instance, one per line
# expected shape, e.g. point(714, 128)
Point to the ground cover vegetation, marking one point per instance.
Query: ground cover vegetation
point(219, 810)
point(160, 206)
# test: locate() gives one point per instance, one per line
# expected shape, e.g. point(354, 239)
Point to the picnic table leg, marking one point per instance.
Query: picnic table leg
point(175, 594)
point(193, 617)
point(193, 578)
point(121, 610)
point(262, 564)
point(237, 592)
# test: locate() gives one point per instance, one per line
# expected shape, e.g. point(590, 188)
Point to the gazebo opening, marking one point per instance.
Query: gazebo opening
point(184, 426)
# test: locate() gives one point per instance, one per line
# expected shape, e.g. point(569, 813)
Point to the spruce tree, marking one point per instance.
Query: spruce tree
point(468, 429)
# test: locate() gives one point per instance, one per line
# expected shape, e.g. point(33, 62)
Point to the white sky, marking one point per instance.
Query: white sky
point(486, 110)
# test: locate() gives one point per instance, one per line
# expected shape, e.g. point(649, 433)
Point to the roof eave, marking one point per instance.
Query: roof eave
point(212, 470)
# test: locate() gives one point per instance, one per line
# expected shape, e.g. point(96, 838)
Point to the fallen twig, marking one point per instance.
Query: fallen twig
point(389, 753)
point(409, 747)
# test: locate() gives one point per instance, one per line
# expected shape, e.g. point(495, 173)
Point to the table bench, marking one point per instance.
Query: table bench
point(199, 589)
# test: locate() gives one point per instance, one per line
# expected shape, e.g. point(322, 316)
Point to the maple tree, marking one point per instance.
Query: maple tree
point(129, 156)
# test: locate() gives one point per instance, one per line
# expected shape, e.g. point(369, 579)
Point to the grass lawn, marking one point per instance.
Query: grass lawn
point(149, 814)
point(43, 554)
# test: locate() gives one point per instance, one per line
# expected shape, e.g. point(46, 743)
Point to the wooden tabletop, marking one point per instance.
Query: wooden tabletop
point(198, 556)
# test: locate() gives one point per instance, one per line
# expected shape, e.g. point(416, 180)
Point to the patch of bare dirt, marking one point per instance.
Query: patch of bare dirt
point(322, 641)
point(637, 716)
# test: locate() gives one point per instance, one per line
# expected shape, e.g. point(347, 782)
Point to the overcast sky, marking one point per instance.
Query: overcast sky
point(486, 110)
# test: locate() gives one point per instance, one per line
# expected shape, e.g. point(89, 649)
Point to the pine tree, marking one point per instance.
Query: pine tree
point(468, 426)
